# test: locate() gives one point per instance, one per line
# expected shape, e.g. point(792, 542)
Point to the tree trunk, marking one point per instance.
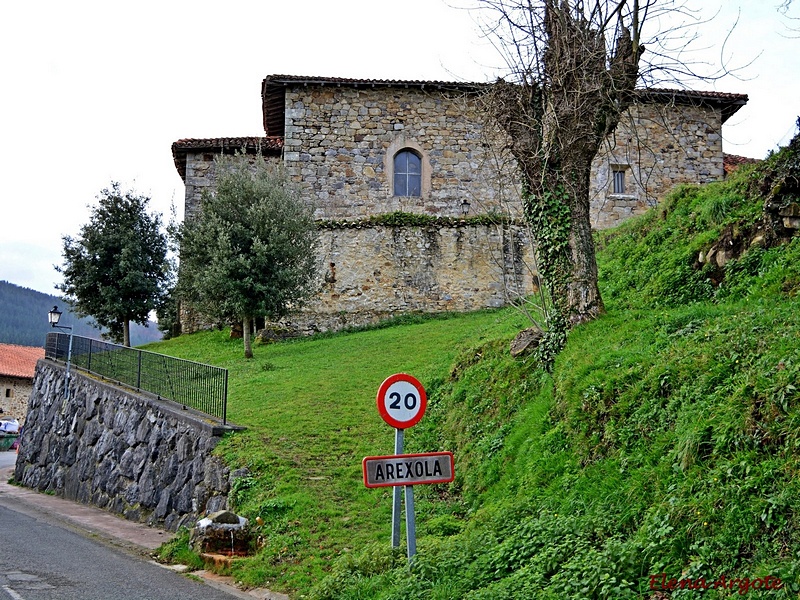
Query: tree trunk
point(246, 336)
point(583, 301)
point(126, 333)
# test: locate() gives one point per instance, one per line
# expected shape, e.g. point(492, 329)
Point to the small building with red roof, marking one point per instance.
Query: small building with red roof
point(17, 368)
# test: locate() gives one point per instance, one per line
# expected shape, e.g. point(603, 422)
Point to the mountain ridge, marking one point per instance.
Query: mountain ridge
point(23, 318)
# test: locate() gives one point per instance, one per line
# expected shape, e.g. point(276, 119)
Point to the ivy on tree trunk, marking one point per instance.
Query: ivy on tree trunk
point(555, 117)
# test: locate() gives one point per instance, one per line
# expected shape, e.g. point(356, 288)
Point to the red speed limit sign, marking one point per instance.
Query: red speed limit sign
point(401, 401)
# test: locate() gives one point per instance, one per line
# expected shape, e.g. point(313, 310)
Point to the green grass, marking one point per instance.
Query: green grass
point(666, 439)
point(310, 412)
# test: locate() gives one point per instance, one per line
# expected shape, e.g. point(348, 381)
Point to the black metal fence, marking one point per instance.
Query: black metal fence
point(192, 384)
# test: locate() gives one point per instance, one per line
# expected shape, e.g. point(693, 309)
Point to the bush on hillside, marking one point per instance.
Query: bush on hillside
point(715, 242)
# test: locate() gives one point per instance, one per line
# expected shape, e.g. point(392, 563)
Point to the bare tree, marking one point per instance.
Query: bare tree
point(573, 69)
point(571, 74)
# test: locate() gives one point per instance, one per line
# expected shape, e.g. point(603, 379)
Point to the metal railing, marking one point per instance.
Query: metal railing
point(192, 384)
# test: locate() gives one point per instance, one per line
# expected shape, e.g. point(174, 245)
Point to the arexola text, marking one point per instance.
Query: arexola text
point(408, 470)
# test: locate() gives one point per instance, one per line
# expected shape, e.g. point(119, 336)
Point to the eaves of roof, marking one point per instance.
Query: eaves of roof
point(267, 146)
point(726, 102)
point(273, 92)
point(349, 82)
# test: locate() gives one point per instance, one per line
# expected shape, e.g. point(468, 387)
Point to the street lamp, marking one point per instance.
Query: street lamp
point(464, 207)
point(53, 317)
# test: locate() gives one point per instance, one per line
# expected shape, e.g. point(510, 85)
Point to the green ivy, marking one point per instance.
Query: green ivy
point(550, 221)
point(404, 219)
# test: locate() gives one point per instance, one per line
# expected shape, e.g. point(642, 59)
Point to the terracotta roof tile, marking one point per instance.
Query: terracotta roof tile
point(228, 145)
point(731, 162)
point(19, 361)
point(346, 81)
point(647, 93)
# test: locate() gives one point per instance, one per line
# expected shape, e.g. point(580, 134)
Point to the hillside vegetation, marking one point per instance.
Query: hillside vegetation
point(23, 319)
point(665, 445)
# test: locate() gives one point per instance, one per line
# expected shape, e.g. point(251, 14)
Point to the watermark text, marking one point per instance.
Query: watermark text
point(741, 585)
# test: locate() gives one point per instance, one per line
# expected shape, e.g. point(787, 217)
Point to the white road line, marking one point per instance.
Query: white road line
point(12, 593)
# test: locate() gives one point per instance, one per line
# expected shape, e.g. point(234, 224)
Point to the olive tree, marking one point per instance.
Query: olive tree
point(250, 250)
point(116, 270)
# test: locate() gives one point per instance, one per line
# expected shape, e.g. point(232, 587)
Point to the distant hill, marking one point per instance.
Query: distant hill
point(23, 318)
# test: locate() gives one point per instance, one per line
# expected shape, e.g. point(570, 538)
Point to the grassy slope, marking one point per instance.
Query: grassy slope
point(309, 407)
point(666, 440)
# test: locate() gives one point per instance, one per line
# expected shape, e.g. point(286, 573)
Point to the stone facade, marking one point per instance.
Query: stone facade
point(14, 394)
point(194, 160)
point(338, 139)
point(656, 147)
point(373, 273)
point(339, 144)
point(17, 368)
point(141, 458)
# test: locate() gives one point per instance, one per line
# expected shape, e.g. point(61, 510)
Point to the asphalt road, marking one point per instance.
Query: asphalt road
point(43, 557)
point(41, 560)
point(7, 459)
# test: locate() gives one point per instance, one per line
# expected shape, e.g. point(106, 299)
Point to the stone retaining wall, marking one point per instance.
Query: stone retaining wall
point(369, 273)
point(374, 272)
point(144, 459)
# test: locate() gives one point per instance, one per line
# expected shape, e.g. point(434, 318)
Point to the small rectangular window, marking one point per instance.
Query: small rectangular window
point(619, 182)
point(9, 393)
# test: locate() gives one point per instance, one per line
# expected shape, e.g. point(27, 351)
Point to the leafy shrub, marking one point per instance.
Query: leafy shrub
point(177, 551)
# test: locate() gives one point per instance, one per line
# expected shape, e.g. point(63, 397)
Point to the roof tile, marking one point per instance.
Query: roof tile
point(19, 361)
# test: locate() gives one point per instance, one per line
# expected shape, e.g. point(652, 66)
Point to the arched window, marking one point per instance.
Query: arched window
point(407, 173)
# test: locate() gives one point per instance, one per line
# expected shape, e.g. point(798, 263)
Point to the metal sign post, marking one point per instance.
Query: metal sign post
point(411, 523)
point(401, 403)
point(397, 493)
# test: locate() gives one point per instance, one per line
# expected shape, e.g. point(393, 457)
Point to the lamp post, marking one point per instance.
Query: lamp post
point(53, 318)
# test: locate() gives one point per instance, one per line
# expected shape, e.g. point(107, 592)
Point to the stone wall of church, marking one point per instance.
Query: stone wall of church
point(369, 273)
point(657, 147)
point(338, 147)
point(340, 141)
point(199, 177)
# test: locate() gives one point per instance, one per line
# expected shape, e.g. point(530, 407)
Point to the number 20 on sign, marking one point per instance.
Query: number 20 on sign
point(401, 401)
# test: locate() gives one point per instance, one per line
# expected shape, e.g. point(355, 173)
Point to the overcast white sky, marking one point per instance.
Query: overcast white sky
point(95, 92)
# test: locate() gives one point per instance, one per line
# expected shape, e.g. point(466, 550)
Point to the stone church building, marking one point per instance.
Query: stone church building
point(362, 149)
